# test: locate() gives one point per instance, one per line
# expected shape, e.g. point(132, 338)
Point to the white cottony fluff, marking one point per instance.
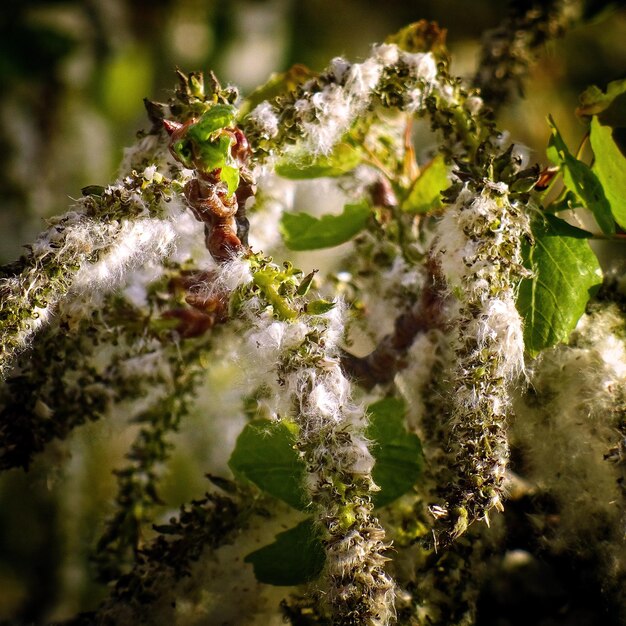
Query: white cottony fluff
point(362, 78)
point(567, 427)
point(414, 379)
point(264, 119)
point(275, 196)
point(328, 113)
point(386, 53)
point(499, 326)
point(135, 243)
point(338, 68)
point(332, 112)
point(295, 366)
point(232, 274)
point(479, 251)
point(423, 65)
point(148, 149)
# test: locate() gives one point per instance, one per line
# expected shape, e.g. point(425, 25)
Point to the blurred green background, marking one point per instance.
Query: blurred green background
point(73, 76)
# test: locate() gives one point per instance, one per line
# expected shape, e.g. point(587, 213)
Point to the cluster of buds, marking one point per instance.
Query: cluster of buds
point(218, 152)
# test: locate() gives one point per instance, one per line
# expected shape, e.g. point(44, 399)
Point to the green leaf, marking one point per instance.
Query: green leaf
point(301, 231)
point(610, 168)
point(398, 453)
point(343, 159)
point(230, 175)
point(610, 107)
point(319, 307)
point(425, 195)
point(216, 118)
point(213, 154)
point(579, 179)
point(565, 274)
point(296, 557)
point(265, 455)
point(305, 284)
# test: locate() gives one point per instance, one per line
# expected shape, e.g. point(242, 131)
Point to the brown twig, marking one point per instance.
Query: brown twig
point(389, 357)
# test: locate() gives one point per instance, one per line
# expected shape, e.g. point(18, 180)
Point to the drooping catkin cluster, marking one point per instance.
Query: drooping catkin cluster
point(479, 251)
point(340, 483)
point(479, 237)
point(465, 299)
point(295, 361)
point(320, 111)
point(88, 250)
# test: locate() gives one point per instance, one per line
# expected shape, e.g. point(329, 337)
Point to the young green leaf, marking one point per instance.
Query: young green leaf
point(610, 107)
point(265, 455)
point(425, 195)
point(343, 159)
point(217, 117)
point(301, 231)
point(610, 168)
point(296, 557)
point(565, 274)
point(230, 175)
point(319, 307)
point(580, 179)
point(398, 453)
point(305, 284)
point(212, 155)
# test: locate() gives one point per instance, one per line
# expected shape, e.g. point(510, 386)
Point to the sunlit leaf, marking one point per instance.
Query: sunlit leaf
point(296, 557)
point(560, 227)
point(425, 195)
point(565, 274)
point(580, 180)
point(230, 175)
point(610, 168)
point(319, 307)
point(301, 231)
point(213, 154)
point(216, 118)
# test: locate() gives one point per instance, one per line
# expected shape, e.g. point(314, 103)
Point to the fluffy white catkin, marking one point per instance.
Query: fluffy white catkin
point(329, 104)
point(81, 257)
point(479, 252)
point(297, 365)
